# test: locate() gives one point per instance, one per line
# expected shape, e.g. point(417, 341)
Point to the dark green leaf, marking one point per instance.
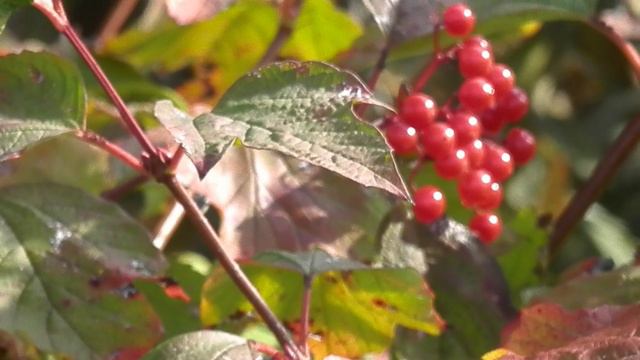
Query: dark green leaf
point(353, 312)
point(7, 7)
point(66, 264)
point(308, 263)
point(41, 95)
point(303, 110)
point(269, 201)
point(471, 294)
point(203, 345)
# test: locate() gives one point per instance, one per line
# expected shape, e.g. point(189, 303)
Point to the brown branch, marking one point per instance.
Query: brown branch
point(289, 11)
point(168, 226)
point(113, 149)
point(609, 164)
point(115, 21)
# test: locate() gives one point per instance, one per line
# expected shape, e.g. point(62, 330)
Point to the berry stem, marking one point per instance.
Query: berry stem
point(609, 164)
point(427, 72)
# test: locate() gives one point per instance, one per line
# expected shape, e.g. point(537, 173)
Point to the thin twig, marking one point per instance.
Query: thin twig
point(113, 149)
point(289, 11)
point(126, 187)
point(232, 268)
point(305, 315)
point(115, 21)
point(379, 65)
point(609, 164)
point(168, 226)
point(429, 69)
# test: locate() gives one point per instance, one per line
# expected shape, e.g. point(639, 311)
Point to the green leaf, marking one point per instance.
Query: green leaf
point(66, 264)
point(353, 312)
point(7, 7)
point(471, 294)
point(303, 110)
point(41, 95)
point(270, 201)
point(320, 32)
point(203, 345)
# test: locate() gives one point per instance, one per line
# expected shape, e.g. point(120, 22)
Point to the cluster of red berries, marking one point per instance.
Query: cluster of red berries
point(462, 141)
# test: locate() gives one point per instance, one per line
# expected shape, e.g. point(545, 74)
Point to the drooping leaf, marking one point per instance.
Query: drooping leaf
point(7, 7)
point(269, 201)
point(470, 291)
point(353, 310)
point(320, 32)
point(185, 12)
point(409, 19)
point(547, 331)
point(303, 110)
point(203, 345)
point(41, 95)
point(66, 264)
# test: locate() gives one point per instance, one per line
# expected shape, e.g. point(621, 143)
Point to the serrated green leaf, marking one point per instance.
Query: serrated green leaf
point(303, 110)
point(41, 95)
point(66, 262)
point(353, 312)
point(203, 345)
point(320, 32)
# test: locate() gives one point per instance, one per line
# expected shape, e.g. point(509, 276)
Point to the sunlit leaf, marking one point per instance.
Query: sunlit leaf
point(320, 32)
point(550, 332)
point(41, 95)
point(303, 110)
point(203, 345)
point(353, 310)
point(66, 264)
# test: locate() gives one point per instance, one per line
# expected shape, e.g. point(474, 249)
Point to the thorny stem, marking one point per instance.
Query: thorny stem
point(113, 149)
point(231, 267)
point(305, 315)
point(609, 164)
point(154, 163)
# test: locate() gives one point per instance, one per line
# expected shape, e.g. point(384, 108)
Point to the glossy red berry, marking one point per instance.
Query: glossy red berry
point(498, 162)
point(452, 166)
point(521, 144)
point(491, 121)
point(492, 199)
point(458, 20)
point(502, 79)
point(474, 187)
point(418, 110)
point(479, 41)
point(475, 154)
point(429, 204)
point(487, 227)
point(438, 140)
point(402, 138)
point(513, 106)
point(476, 95)
point(466, 126)
point(474, 61)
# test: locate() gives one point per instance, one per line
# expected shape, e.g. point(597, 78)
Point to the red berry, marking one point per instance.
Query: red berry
point(492, 121)
point(487, 227)
point(474, 187)
point(452, 166)
point(502, 79)
point(430, 204)
point(513, 106)
point(479, 41)
point(475, 153)
point(474, 61)
point(476, 95)
point(521, 144)
point(458, 20)
point(498, 162)
point(492, 199)
point(402, 138)
point(438, 140)
point(418, 110)
point(466, 126)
